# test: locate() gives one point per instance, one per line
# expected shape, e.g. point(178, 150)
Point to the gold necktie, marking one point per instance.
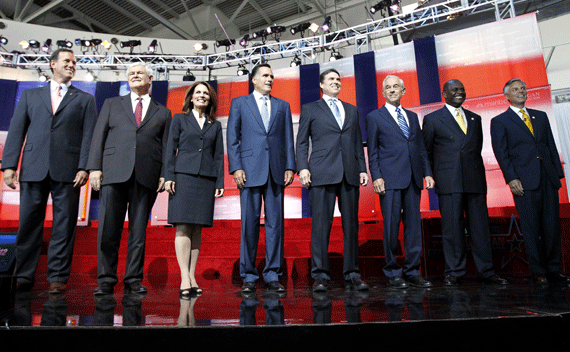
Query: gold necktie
point(527, 121)
point(460, 120)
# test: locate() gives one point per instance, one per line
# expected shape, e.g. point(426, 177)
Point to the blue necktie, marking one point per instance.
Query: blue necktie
point(265, 113)
point(336, 112)
point(402, 123)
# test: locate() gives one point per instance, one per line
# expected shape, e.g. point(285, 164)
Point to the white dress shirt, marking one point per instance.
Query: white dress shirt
point(198, 119)
point(145, 100)
point(518, 112)
point(338, 104)
point(392, 110)
point(53, 87)
point(259, 101)
point(454, 114)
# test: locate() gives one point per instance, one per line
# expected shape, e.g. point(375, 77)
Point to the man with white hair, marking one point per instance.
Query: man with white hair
point(126, 165)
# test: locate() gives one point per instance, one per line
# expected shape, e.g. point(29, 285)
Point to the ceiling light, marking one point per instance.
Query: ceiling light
point(244, 40)
point(200, 46)
point(3, 40)
point(326, 27)
point(296, 62)
point(242, 71)
point(189, 76)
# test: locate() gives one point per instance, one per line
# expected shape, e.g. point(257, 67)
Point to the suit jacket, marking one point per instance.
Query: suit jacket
point(58, 142)
point(393, 157)
point(455, 157)
point(335, 152)
point(252, 149)
point(193, 150)
point(520, 154)
point(119, 147)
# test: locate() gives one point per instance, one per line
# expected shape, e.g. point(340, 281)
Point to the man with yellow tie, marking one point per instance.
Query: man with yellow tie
point(454, 139)
point(526, 152)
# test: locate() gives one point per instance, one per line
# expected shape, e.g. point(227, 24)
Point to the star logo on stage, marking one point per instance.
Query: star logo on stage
point(515, 241)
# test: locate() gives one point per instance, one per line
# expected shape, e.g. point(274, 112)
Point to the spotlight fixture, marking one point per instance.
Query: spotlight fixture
point(89, 76)
point(106, 44)
point(225, 42)
point(243, 42)
point(378, 7)
point(3, 40)
point(46, 48)
point(42, 76)
point(300, 28)
point(29, 44)
point(242, 71)
point(335, 56)
point(130, 43)
point(189, 76)
point(82, 42)
point(326, 27)
point(395, 7)
point(296, 62)
point(275, 29)
point(64, 44)
point(200, 46)
point(259, 34)
point(314, 27)
point(152, 47)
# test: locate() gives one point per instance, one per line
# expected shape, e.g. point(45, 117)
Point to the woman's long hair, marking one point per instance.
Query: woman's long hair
point(212, 106)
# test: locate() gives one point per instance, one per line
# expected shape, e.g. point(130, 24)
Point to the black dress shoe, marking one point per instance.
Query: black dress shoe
point(397, 282)
point(451, 280)
point(103, 290)
point(557, 278)
point(540, 280)
point(248, 287)
point(356, 284)
point(494, 280)
point(135, 288)
point(419, 281)
point(275, 286)
point(320, 285)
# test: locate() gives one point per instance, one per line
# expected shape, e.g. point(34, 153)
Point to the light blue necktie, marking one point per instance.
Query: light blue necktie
point(336, 111)
point(402, 123)
point(265, 113)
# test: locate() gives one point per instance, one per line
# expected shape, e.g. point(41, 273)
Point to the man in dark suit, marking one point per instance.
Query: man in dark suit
point(336, 169)
point(398, 163)
point(526, 152)
point(56, 122)
point(454, 139)
point(126, 164)
point(261, 159)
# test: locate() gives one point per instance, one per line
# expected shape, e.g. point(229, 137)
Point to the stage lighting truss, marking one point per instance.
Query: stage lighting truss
point(359, 36)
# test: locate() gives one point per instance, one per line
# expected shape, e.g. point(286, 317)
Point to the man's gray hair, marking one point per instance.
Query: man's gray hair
point(148, 68)
point(392, 76)
point(511, 81)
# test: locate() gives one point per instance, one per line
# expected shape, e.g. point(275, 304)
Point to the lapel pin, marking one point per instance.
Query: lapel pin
point(533, 117)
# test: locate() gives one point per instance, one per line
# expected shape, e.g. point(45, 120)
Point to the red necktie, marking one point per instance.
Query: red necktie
point(138, 112)
point(55, 99)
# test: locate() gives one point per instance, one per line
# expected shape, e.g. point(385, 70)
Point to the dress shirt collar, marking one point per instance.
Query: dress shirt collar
point(258, 96)
point(518, 111)
point(64, 86)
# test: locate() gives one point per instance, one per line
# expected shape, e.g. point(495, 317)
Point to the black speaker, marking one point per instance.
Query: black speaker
point(7, 251)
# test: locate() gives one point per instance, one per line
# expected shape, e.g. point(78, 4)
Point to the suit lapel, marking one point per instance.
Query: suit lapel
point(45, 95)
point(322, 104)
point(69, 96)
point(252, 104)
point(128, 107)
point(152, 109)
point(518, 121)
point(386, 115)
point(449, 121)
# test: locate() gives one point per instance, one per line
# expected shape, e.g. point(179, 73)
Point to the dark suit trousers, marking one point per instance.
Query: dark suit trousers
point(250, 202)
point(396, 205)
point(33, 201)
point(539, 212)
point(452, 208)
point(322, 201)
point(114, 201)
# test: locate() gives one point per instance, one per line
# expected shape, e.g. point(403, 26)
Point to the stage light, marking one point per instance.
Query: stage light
point(46, 48)
point(189, 76)
point(314, 27)
point(89, 76)
point(275, 29)
point(3, 40)
point(300, 28)
point(379, 6)
point(64, 44)
point(242, 71)
point(114, 41)
point(335, 56)
point(200, 46)
point(260, 34)
point(152, 47)
point(243, 42)
point(130, 43)
point(95, 42)
point(30, 44)
point(106, 44)
point(395, 7)
point(326, 27)
point(225, 42)
point(42, 77)
point(296, 62)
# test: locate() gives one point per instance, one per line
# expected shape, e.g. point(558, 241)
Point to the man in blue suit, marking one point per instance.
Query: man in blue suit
point(453, 137)
point(54, 124)
point(526, 152)
point(398, 163)
point(261, 159)
point(336, 169)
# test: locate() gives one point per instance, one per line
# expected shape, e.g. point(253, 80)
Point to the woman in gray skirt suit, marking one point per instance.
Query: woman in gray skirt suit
point(194, 177)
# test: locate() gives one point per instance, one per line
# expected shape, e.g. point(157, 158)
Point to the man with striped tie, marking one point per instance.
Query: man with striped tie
point(398, 163)
point(453, 137)
point(525, 150)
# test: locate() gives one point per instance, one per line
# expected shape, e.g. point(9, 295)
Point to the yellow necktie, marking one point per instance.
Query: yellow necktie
point(527, 121)
point(460, 120)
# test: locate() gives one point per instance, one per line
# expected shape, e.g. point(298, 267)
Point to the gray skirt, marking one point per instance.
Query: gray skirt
point(193, 200)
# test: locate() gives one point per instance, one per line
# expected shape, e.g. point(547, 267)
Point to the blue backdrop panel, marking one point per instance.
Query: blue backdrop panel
point(160, 91)
point(106, 90)
point(365, 85)
point(8, 90)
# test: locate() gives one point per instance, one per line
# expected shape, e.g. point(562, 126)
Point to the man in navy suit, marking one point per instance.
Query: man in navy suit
point(56, 122)
point(261, 159)
point(454, 139)
point(398, 163)
point(525, 150)
point(335, 169)
point(126, 164)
